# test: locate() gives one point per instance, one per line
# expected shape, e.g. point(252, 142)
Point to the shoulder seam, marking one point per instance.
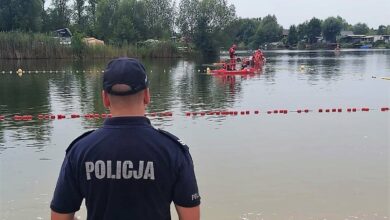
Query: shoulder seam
point(175, 139)
point(78, 139)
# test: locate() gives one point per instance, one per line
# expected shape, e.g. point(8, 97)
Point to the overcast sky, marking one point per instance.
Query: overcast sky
point(288, 12)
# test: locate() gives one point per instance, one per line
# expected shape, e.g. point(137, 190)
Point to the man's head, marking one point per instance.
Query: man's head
point(125, 86)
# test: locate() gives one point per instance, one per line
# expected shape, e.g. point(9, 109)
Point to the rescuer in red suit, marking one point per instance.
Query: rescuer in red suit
point(232, 54)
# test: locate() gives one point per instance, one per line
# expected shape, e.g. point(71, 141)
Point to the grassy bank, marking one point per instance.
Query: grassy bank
point(17, 45)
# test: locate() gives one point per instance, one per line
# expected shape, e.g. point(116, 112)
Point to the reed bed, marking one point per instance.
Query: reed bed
point(17, 45)
point(20, 45)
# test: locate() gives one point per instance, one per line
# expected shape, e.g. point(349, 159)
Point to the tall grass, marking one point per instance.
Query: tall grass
point(164, 49)
point(19, 45)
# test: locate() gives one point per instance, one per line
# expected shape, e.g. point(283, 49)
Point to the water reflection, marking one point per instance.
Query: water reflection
point(176, 85)
point(161, 75)
point(254, 167)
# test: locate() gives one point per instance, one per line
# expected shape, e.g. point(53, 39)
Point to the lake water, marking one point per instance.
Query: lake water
point(258, 166)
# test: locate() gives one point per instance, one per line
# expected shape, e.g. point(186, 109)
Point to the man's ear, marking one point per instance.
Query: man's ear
point(106, 100)
point(146, 96)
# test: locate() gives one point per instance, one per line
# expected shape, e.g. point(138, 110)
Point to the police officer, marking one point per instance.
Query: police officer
point(126, 169)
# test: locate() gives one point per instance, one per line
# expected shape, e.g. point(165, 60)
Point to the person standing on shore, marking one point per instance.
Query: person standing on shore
point(126, 169)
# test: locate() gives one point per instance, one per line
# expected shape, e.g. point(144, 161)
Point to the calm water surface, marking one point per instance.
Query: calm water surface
point(294, 166)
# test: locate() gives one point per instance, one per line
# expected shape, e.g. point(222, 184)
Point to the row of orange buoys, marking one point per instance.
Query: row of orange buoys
point(194, 114)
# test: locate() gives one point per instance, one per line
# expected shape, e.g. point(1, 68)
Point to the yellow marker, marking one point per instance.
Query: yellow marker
point(19, 72)
point(386, 78)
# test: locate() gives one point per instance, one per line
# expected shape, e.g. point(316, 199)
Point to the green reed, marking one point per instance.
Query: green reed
point(20, 45)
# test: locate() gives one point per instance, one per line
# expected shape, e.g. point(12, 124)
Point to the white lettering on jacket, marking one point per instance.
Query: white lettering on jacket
point(123, 170)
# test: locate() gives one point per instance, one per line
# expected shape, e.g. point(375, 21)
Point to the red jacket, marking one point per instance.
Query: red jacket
point(232, 52)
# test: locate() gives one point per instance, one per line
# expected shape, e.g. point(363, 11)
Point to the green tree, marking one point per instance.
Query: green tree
point(78, 45)
point(361, 28)
point(268, 31)
point(345, 25)
point(331, 28)
point(292, 38)
point(302, 31)
point(187, 18)
point(159, 18)
point(60, 14)
point(57, 16)
point(24, 15)
point(79, 14)
point(247, 30)
point(381, 30)
point(105, 19)
point(138, 18)
point(313, 30)
point(125, 24)
point(90, 17)
point(204, 22)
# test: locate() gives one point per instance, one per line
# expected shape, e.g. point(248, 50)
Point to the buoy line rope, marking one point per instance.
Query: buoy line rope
point(18, 117)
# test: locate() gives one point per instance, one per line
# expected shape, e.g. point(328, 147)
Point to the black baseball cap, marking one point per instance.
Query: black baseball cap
point(125, 71)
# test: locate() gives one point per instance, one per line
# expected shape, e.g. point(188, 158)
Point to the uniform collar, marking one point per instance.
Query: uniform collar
point(133, 120)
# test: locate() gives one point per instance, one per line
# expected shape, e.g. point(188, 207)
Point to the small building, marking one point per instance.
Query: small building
point(368, 39)
point(386, 38)
point(64, 35)
point(91, 41)
point(352, 39)
point(346, 33)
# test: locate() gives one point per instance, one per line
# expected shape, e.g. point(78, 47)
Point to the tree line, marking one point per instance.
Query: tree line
point(255, 32)
point(205, 24)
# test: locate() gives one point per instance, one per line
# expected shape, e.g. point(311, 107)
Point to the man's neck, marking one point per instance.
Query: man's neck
point(127, 113)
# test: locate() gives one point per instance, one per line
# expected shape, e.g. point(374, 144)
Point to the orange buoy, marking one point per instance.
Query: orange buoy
point(385, 109)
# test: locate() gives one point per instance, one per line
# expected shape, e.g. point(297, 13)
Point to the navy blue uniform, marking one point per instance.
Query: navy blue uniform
point(126, 170)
